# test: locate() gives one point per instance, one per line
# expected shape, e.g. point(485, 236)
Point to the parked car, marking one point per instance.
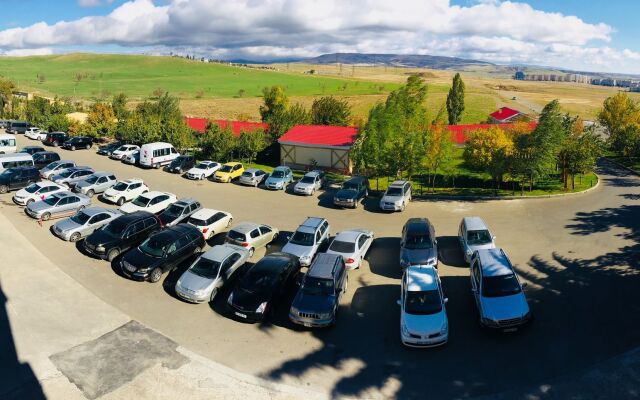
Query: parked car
point(16, 127)
point(309, 183)
point(56, 167)
point(418, 244)
point(8, 144)
point(44, 158)
point(252, 177)
point(423, 316)
point(352, 192)
point(210, 222)
point(179, 211)
point(180, 164)
point(154, 202)
point(132, 159)
point(155, 155)
point(228, 172)
point(203, 170)
point(396, 197)
point(78, 142)
point(473, 234)
point(15, 160)
point(95, 183)
point(260, 289)
point(352, 245)
point(70, 176)
point(498, 293)
point(57, 204)
point(123, 151)
point(210, 272)
point(36, 192)
point(107, 149)
point(32, 150)
point(18, 178)
point(124, 191)
point(55, 139)
point(84, 223)
point(318, 298)
point(33, 133)
point(162, 252)
point(251, 236)
point(121, 234)
point(307, 239)
point(279, 178)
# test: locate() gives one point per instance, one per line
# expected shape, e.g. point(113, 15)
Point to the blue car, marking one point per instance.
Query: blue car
point(279, 178)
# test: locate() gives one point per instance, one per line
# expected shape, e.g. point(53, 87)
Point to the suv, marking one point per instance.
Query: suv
point(352, 192)
point(307, 239)
point(309, 183)
point(473, 235)
point(55, 139)
point(18, 178)
point(279, 178)
point(162, 252)
point(497, 291)
point(179, 211)
point(316, 303)
point(418, 244)
point(78, 142)
point(121, 234)
point(251, 236)
point(95, 183)
point(180, 164)
point(396, 197)
point(44, 158)
point(124, 191)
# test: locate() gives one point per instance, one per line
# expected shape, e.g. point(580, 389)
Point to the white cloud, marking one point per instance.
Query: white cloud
point(93, 3)
point(495, 30)
point(45, 51)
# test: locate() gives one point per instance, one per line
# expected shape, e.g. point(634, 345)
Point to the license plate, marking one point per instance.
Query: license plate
point(131, 268)
point(241, 315)
point(307, 324)
point(510, 330)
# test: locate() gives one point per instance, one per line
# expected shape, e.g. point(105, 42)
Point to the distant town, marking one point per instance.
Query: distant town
point(632, 85)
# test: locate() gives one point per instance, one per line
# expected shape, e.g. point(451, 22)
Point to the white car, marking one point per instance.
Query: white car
point(124, 151)
point(473, 234)
point(352, 245)
point(36, 192)
point(33, 133)
point(124, 191)
point(307, 239)
point(203, 170)
point(153, 202)
point(210, 222)
point(423, 316)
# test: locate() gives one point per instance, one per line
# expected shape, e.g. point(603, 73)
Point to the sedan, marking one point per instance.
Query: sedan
point(279, 178)
point(123, 151)
point(57, 204)
point(36, 192)
point(132, 159)
point(84, 223)
point(69, 177)
point(203, 170)
point(210, 222)
point(418, 244)
point(352, 245)
point(153, 202)
point(206, 276)
point(252, 177)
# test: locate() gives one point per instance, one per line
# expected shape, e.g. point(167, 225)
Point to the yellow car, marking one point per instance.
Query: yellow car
point(228, 172)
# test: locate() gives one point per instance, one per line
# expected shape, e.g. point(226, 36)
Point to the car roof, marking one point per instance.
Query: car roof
point(348, 235)
point(132, 180)
point(155, 193)
point(185, 201)
point(271, 262)
point(474, 223)
point(245, 227)
point(322, 266)
point(312, 222)
point(126, 219)
point(421, 278)
point(97, 210)
point(207, 162)
point(398, 183)
point(205, 213)
point(64, 194)
point(494, 262)
point(102, 173)
point(251, 170)
point(281, 167)
point(220, 252)
point(312, 174)
point(417, 226)
point(232, 163)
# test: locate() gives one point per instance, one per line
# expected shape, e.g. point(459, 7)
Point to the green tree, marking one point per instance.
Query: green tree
point(330, 111)
point(218, 143)
point(251, 143)
point(119, 106)
point(455, 100)
point(101, 122)
point(178, 133)
point(6, 93)
point(38, 111)
point(582, 151)
point(57, 123)
point(438, 154)
point(275, 102)
point(546, 141)
point(281, 122)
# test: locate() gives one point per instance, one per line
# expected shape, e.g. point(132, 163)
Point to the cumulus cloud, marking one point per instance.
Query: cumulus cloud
point(45, 51)
point(93, 3)
point(496, 30)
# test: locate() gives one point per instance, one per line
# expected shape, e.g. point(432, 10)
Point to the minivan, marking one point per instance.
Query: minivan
point(7, 144)
point(15, 160)
point(155, 155)
point(18, 127)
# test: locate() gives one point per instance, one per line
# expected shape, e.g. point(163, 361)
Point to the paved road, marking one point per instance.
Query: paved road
point(580, 255)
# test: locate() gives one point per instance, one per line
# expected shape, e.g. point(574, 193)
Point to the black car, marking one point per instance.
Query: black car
point(42, 159)
point(121, 234)
point(78, 142)
point(107, 149)
point(18, 178)
point(352, 192)
point(55, 139)
point(181, 164)
point(16, 127)
point(162, 252)
point(260, 288)
point(32, 150)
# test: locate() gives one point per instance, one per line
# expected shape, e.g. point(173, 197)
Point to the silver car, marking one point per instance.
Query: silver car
point(57, 204)
point(396, 197)
point(95, 183)
point(473, 235)
point(70, 176)
point(84, 223)
point(251, 236)
point(55, 168)
point(309, 183)
point(179, 211)
point(352, 245)
point(307, 239)
point(252, 177)
point(418, 244)
point(204, 278)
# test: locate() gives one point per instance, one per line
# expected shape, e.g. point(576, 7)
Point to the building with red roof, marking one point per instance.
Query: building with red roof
point(505, 115)
point(237, 127)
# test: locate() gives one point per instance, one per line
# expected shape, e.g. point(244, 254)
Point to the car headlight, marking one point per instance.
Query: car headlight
point(261, 307)
point(404, 329)
point(326, 315)
point(293, 310)
point(144, 269)
point(100, 247)
point(444, 329)
point(305, 259)
point(230, 299)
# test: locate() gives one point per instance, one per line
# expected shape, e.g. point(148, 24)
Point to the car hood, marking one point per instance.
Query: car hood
point(297, 250)
point(391, 199)
point(99, 237)
point(39, 206)
point(417, 256)
point(250, 300)
point(424, 325)
point(196, 171)
point(313, 304)
point(194, 282)
point(83, 184)
point(129, 208)
point(273, 180)
point(475, 247)
point(67, 225)
point(23, 193)
point(139, 259)
point(346, 194)
point(505, 307)
point(304, 185)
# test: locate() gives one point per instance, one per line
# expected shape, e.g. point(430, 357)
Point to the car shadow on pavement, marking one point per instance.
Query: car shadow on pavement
point(384, 257)
point(449, 252)
point(325, 199)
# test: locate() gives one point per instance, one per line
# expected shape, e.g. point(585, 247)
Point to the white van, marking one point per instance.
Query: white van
point(7, 144)
point(157, 154)
point(15, 160)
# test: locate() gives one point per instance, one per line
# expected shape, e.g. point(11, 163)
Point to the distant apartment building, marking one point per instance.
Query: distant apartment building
point(519, 76)
point(576, 78)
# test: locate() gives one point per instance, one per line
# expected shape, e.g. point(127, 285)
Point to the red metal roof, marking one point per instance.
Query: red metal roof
point(320, 135)
point(200, 125)
point(459, 132)
point(504, 113)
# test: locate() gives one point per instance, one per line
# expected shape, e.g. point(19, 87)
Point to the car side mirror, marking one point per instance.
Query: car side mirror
point(398, 302)
point(493, 237)
point(524, 284)
point(446, 300)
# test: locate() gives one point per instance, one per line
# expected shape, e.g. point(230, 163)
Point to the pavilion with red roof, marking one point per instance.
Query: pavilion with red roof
point(505, 115)
point(237, 127)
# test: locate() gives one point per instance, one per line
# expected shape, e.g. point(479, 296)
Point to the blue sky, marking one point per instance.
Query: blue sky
point(585, 35)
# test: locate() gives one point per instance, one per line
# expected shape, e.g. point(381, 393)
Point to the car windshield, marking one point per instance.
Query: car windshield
point(394, 191)
point(277, 174)
point(478, 237)
point(203, 166)
point(114, 228)
point(140, 201)
point(235, 235)
point(302, 238)
point(308, 179)
point(423, 303)
point(226, 168)
point(174, 211)
point(154, 246)
point(342, 247)
point(419, 241)
point(123, 148)
point(34, 187)
point(178, 161)
point(92, 179)
point(247, 174)
point(498, 286)
point(318, 287)
point(349, 186)
point(66, 173)
point(206, 268)
point(197, 222)
point(51, 200)
point(80, 218)
point(120, 186)
point(258, 278)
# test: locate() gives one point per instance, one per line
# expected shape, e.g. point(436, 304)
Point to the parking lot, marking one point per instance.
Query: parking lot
point(580, 255)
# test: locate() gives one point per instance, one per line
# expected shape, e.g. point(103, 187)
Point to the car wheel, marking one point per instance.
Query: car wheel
point(90, 193)
point(251, 250)
point(155, 276)
point(73, 148)
point(4, 189)
point(88, 146)
point(74, 237)
point(403, 207)
point(202, 177)
point(355, 204)
point(120, 201)
point(55, 144)
point(156, 166)
point(214, 292)
point(45, 216)
point(113, 253)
